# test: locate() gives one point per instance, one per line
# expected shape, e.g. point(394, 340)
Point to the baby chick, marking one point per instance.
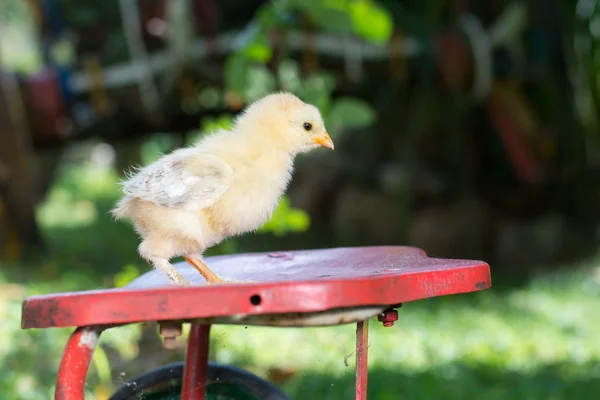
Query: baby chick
point(227, 184)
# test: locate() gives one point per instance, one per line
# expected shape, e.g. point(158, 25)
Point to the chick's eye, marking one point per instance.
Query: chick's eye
point(307, 126)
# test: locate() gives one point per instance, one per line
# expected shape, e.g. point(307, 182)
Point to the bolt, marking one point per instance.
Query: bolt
point(170, 331)
point(169, 343)
point(388, 317)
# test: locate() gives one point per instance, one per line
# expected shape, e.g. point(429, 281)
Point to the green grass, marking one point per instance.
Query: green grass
point(537, 341)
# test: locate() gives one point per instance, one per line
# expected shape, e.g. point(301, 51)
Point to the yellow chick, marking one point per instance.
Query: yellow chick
point(227, 184)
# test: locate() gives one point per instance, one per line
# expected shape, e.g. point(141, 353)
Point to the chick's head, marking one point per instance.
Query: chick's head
point(306, 129)
point(288, 122)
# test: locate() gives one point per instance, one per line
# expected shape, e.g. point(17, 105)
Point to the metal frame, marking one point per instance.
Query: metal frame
point(362, 359)
point(80, 348)
point(196, 363)
point(75, 363)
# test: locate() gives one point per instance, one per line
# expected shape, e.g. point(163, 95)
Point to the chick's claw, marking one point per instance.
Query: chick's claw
point(180, 284)
point(178, 280)
point(166, 269)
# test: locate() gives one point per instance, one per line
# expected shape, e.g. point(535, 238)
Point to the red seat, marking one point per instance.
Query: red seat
point(291, 288)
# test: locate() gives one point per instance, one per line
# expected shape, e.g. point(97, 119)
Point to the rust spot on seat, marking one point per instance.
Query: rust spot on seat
point(481, 285)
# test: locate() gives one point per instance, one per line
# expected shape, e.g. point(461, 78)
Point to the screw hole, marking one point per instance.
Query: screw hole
point(255, 300)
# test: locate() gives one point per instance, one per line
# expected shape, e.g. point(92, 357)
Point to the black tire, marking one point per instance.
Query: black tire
point(223, 383)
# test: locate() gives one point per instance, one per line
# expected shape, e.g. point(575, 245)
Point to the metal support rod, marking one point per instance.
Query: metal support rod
point(196, 363)
point(362, 352)
point(75, 363)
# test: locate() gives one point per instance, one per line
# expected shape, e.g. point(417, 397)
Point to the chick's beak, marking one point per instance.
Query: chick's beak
point(324, 140)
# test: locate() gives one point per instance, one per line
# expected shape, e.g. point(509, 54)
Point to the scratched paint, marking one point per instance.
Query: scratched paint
point(89, 339)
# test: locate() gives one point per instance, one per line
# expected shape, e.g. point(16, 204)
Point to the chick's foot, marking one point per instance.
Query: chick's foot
point(211, 277)
point(165, 267)
point(178, 280)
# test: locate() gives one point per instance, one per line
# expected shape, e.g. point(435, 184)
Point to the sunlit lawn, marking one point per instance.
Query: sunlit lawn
point(539, 341)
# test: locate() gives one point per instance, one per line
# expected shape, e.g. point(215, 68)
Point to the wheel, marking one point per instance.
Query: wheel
point(223, 383)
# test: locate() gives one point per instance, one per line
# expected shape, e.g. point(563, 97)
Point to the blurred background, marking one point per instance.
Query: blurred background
point(467, 128)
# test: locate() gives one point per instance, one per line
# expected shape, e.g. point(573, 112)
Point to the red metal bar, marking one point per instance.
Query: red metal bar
point(362, 362)
point(196, 363)
point(75, 363)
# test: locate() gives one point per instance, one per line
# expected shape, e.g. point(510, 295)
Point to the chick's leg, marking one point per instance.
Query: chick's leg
point(166, 268)
point(158, 252)
point(206, 272)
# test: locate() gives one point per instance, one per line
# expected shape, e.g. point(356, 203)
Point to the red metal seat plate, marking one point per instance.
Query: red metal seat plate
point(271, 283)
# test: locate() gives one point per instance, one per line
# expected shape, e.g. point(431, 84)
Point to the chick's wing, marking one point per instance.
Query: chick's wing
point(181, 179)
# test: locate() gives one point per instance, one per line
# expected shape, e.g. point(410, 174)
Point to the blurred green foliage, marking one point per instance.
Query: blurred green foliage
point(252, 80)
point(248, 77)
point(19, 49)
point(286, 219)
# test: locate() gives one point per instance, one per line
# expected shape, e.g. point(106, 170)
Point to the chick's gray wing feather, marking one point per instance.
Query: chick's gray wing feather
point(183, 178)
